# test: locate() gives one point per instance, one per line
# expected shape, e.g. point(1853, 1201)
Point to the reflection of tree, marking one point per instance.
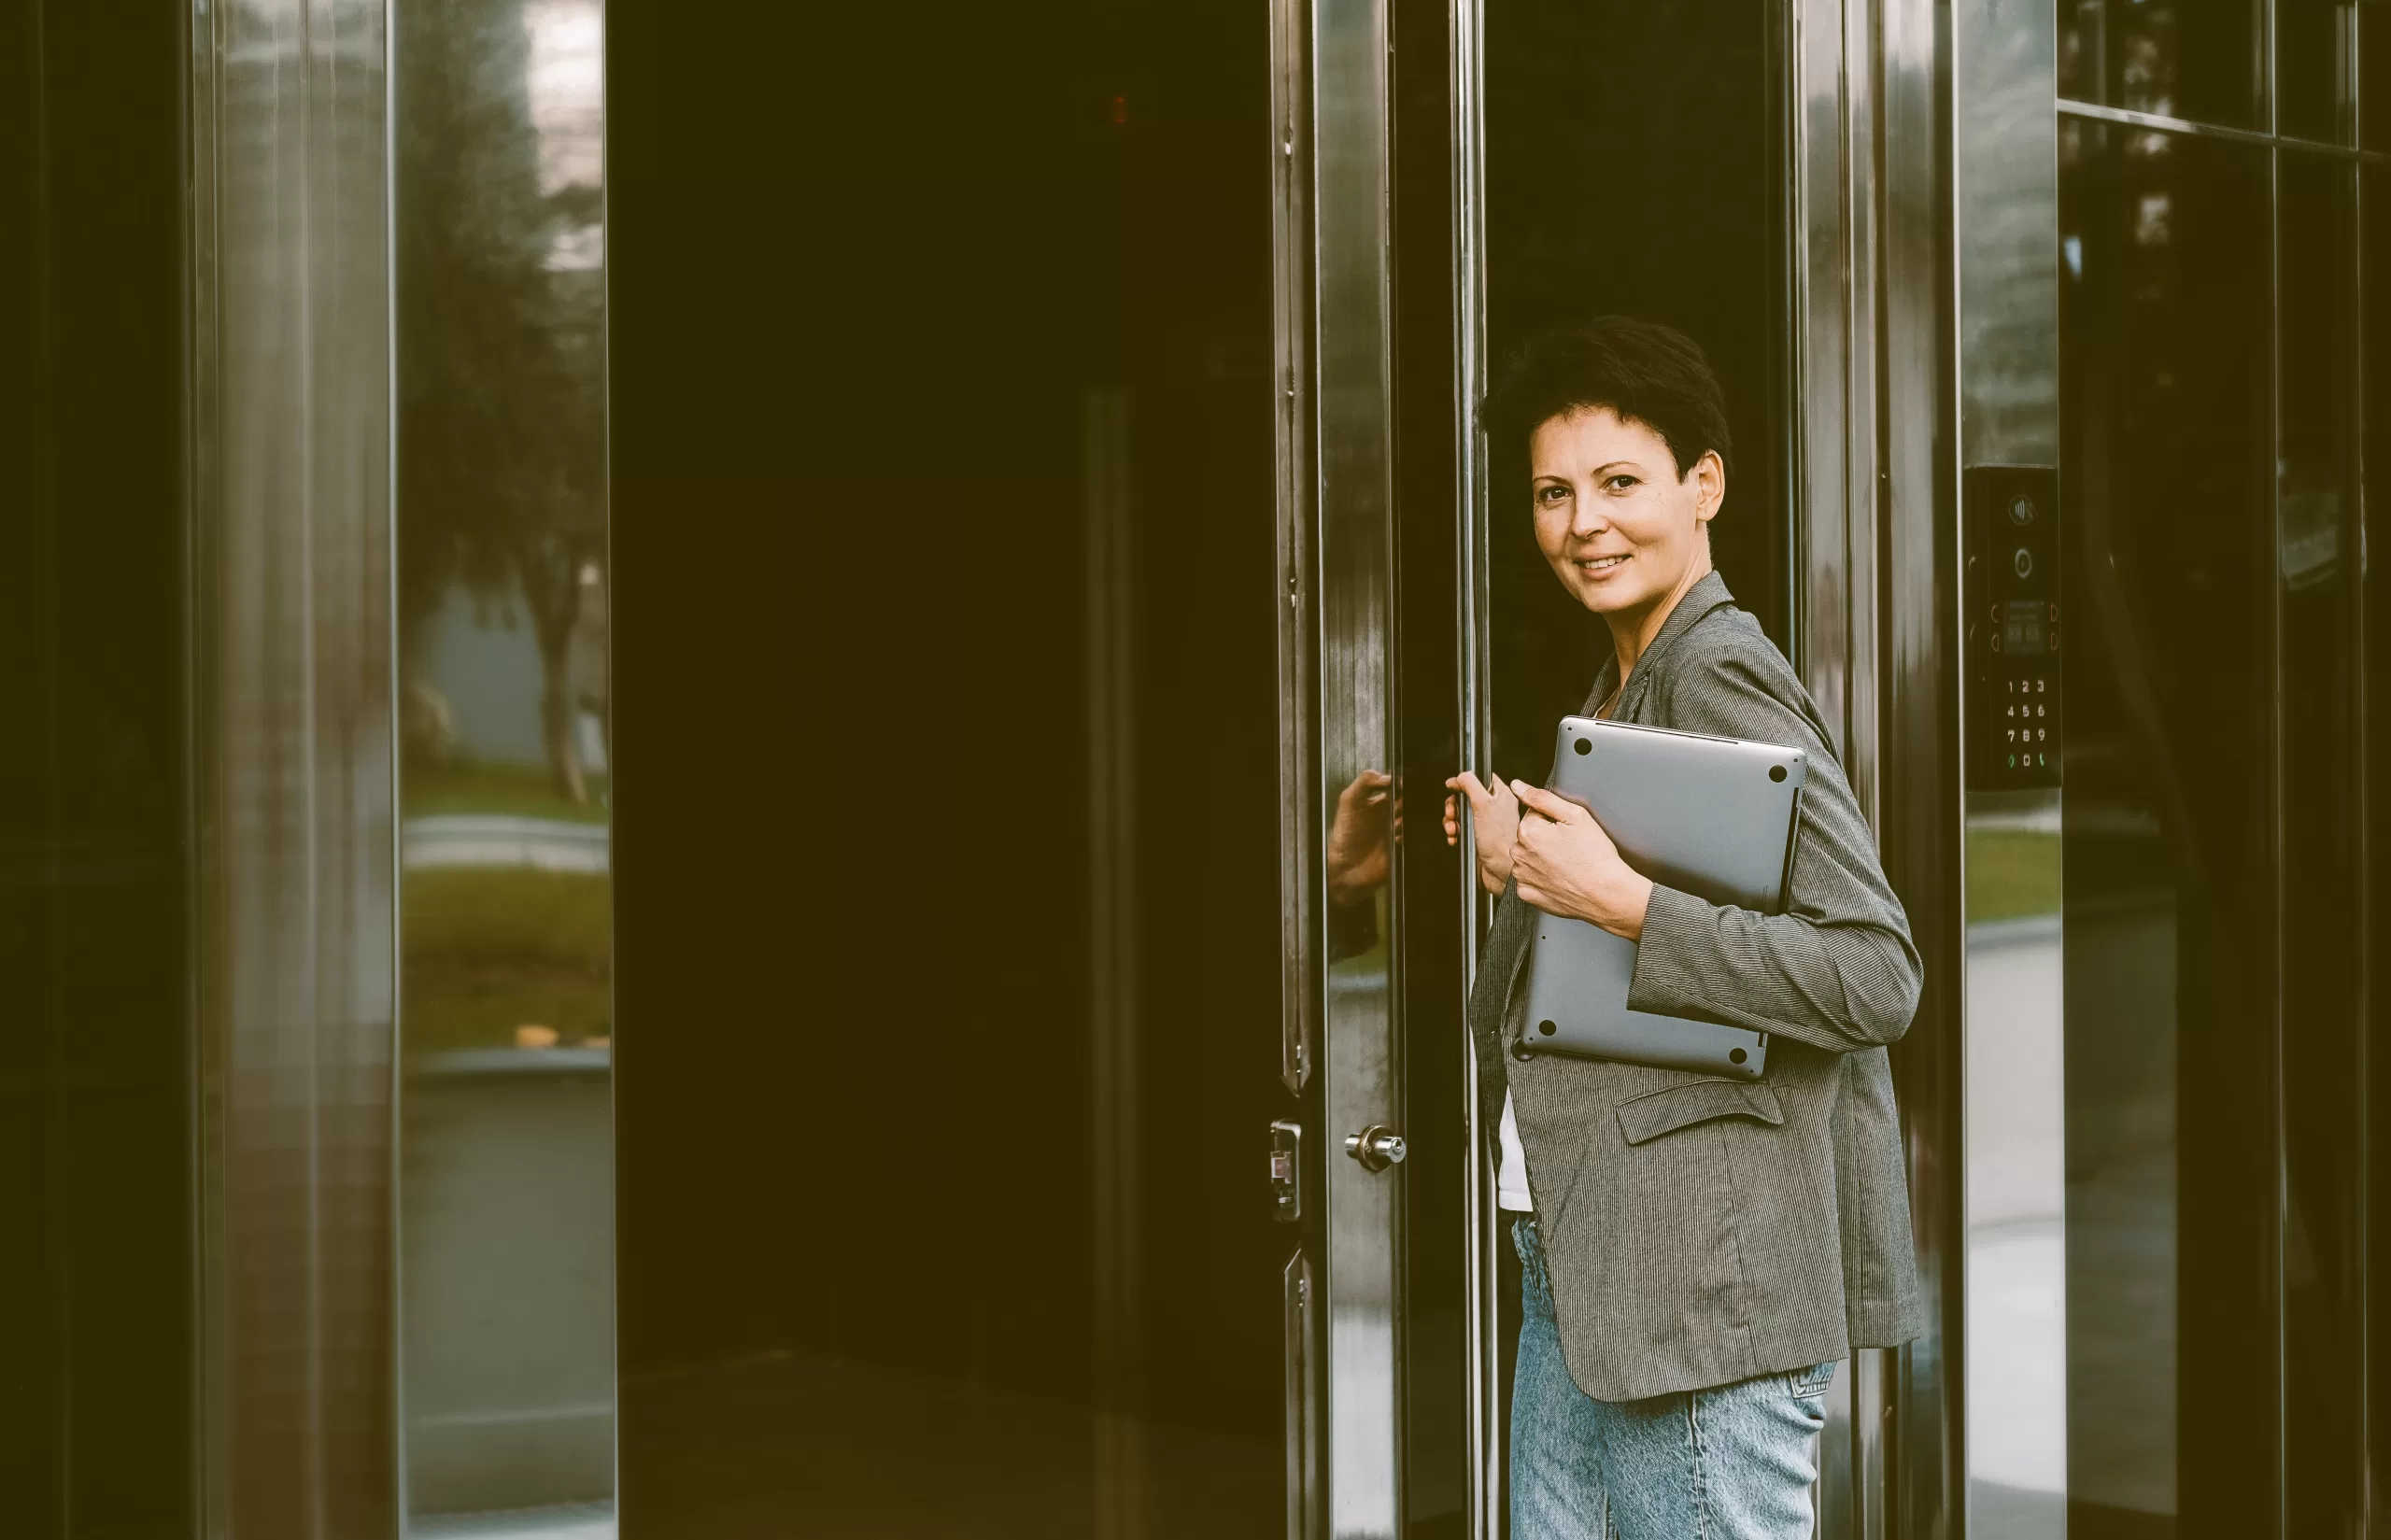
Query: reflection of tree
point(501, 400)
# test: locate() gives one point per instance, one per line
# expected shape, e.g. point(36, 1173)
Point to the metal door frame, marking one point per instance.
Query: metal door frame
point(1341, 1056)
point(1873, 500)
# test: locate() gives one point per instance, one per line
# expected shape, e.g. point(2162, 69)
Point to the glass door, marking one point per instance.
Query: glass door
point(946, 602)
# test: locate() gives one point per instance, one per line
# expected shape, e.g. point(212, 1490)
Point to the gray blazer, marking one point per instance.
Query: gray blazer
point(1700, 1230)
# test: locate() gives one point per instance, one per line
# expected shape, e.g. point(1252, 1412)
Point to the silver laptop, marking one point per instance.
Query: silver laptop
point(1714, 818)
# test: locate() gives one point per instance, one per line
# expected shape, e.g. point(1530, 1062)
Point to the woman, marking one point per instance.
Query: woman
point(1696, 1254)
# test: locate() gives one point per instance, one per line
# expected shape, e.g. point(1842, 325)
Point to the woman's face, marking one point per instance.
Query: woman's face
point(1621, 529)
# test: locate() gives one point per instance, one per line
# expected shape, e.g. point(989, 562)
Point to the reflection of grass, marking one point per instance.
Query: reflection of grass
point(521, 790)
point(2011, 873)
point(488, 949)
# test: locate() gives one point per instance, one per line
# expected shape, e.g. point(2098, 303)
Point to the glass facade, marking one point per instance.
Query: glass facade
point(713, 735)
point(2216, 397)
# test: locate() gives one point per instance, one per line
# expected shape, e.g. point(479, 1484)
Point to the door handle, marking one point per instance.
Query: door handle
point(1377, 1148)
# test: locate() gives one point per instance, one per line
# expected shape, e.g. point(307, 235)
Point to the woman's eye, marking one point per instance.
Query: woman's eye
point(1619, 483)
point(1549, 495)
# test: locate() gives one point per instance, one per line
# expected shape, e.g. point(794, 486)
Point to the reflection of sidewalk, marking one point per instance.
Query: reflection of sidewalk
point(2017, 1236)
point(577, 1521)
point(502, 839)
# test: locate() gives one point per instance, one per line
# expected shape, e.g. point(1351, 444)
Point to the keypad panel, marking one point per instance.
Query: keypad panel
point(2014, 633)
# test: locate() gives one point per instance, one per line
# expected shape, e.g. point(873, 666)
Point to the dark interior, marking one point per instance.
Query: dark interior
point(96, 1301)
point(948, 979)
point(1634, 165)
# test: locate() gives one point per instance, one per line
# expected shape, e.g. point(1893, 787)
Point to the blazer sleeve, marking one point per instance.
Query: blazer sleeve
point(1837, 970)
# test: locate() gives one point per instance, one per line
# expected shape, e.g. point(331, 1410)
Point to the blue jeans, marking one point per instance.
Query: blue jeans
point(1732, 1462)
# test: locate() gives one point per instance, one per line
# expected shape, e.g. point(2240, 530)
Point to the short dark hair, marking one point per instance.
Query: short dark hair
point(1645, 372)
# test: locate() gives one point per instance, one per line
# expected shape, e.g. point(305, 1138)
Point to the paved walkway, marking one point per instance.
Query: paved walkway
point(577, 1521)
point(501, 840)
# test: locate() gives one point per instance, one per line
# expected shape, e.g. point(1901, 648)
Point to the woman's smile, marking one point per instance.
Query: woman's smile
point(1623, 529)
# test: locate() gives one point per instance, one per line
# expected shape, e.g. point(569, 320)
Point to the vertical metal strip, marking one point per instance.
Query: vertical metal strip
point(1874, 524)
point(1863, 509)
point(1482, 1313)
point(1821, 359)
point(292, 722)
point(1292, 239)
point(2362, 1247)
point(1116, 1153)
point(1832, 446)
point(1862, 487)
point(2269, 66)
point(1302, 1408)
point(1908, 1398)
point(1290, 152)
point(2004, 1254)
point(2280, 1424)
point(2269, 69)
point(1360, 1055)
point(210, 1325)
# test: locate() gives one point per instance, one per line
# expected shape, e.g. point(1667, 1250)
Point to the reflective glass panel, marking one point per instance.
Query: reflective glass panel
point(506, 1014)
point(946, 641)
point(2170, 979)
point(2201, 60)
point(2323, 833)
point(2313, 42)
point(2374, 76)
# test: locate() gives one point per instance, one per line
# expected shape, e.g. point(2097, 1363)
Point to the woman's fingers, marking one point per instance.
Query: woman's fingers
point(1536, 800)
point(1483, 799)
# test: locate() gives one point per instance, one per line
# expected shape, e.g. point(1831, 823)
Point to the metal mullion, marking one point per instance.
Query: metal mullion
point(2345, 74)
point(2070, 109)
point(1350, 629)
point(1482, 1340)
point(2362, 1247)
point(1296, 588)
point(2266, 67)
point(2275, 816)
point(1862, 421)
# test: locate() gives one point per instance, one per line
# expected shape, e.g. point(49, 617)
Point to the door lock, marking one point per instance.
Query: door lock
point(1287, 1170)
point(1377, 1148)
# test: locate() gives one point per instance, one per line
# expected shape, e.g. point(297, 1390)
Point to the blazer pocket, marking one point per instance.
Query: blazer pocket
point(1647, 1117)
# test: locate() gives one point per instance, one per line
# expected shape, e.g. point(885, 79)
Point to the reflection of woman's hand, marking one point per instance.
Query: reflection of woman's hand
point(1496, 814)
point(1566, 865)
point(1360, 839)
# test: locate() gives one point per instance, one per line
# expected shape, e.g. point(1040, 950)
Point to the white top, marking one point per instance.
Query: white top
point(1511, 1176)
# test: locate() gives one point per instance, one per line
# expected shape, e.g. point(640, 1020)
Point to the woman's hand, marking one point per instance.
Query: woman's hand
point(1496, 812)
point(1565, 865)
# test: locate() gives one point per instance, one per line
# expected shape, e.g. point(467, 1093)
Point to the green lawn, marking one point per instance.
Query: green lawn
point(521, 790)
point(2012, 873)
point(488, 949)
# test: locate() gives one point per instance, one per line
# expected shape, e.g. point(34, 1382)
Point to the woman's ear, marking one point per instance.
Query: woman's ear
point(1710, 485)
